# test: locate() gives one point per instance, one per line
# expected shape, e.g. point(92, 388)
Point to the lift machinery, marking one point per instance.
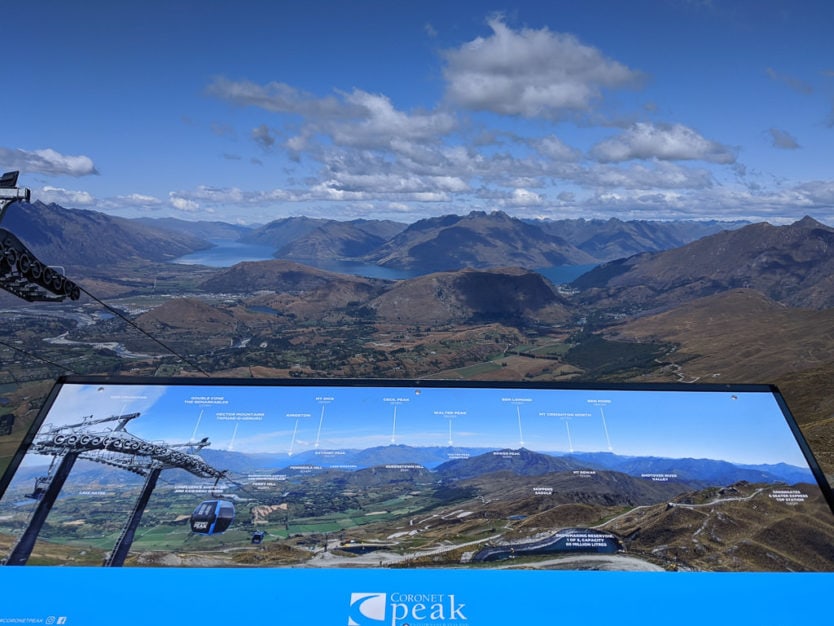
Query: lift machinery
point(21, 272)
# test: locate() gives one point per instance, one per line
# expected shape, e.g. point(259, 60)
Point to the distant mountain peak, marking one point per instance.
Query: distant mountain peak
point(480, 240)
point(809, 222)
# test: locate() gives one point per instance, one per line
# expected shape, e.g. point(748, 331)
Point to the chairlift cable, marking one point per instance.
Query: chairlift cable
point(147, 334)
point(32, 355)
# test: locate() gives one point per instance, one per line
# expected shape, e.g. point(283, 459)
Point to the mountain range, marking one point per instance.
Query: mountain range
point(81, 238)
point(475, 462)
point(479, 240)
point(610, 239)
point(305, 238)
point(792, 264)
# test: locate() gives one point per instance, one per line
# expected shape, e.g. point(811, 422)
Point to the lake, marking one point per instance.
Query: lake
point(227, 253)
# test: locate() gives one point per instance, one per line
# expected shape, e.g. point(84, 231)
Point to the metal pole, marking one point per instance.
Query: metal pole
point(117, 556)
point(21, 552)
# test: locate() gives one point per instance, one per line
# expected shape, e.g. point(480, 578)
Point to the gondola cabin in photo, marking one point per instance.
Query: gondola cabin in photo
point(212, 517)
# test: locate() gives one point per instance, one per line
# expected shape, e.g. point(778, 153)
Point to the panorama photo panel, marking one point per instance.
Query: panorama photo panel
point(411, 480)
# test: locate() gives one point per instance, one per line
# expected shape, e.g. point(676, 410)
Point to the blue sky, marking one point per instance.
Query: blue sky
point(739, 427)
point(253, 111)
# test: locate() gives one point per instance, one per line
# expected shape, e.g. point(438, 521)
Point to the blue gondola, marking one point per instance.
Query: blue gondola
point(212, 517)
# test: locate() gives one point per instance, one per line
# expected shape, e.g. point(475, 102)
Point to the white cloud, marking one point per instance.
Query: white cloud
point(665, 204)
point(379, 123)
point(375, 187)
point(455, 172)
point(64, 197)
point(369, 157)
point(817, 193)
point(553, 148)
point(206, 197)
point(130, 203)
point(47, 161)
point(354, 118)
point(379, 185)
point(782, 139)
point(275, 97)
point(530, 73)
point(182, 204)
point(524, 197)
point(358, 118)
point(659, 175)
point(297, 144)
point(73, 198)
point(138, 199)
point(660, 191)
point(671, 142)
point(774, 205)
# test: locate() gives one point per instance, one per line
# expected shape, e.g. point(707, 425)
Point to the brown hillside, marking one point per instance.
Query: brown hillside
point(295, 289)
point(280, 277)
point(188, 313)
point(739, 336)
point(471, 295)
point(732, 535)
point(328, 302)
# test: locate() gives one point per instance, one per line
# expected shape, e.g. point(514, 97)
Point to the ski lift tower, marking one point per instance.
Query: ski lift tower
point(9, 191)
point(114, 446)
point(21, 273)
